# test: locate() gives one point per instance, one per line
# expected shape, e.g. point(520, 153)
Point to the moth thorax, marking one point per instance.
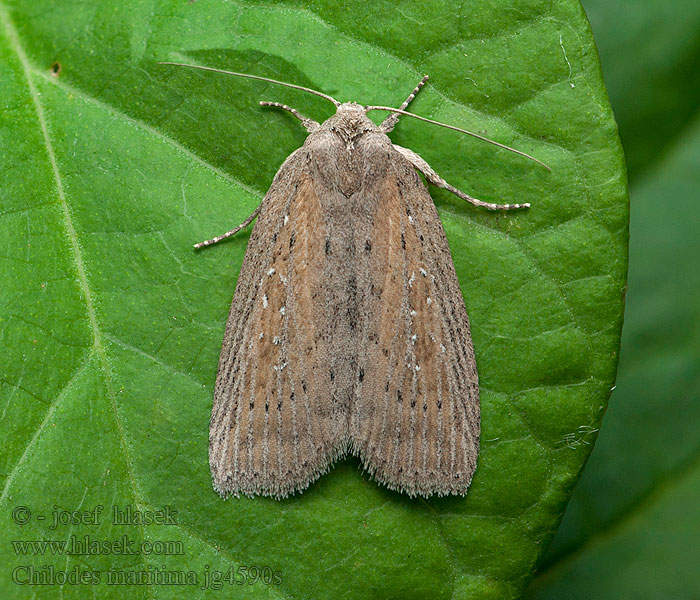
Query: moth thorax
point(350, 122)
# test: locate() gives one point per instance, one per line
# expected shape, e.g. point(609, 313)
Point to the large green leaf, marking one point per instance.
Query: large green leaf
point(111, 323)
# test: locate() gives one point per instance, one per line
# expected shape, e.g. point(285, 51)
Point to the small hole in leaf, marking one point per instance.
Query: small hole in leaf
point(56, 69)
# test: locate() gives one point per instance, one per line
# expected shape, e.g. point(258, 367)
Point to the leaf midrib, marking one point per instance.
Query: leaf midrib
point(98, 347)
point(97, 344)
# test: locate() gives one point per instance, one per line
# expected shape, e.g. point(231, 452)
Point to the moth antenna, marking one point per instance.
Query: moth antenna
point(476, 135)
point(291, 85)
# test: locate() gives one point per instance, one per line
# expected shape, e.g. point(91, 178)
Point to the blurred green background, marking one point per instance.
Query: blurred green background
point(632, 529)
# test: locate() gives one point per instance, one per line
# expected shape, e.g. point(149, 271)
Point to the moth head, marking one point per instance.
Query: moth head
point(350, 121)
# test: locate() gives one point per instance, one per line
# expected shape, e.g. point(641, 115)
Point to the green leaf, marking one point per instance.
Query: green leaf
point(632, 530)
point(111, 324)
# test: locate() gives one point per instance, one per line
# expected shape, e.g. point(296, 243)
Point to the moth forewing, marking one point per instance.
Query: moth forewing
point(273, 427)
point(416, 419)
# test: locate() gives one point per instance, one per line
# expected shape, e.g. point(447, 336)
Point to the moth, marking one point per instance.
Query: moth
point(347, 332)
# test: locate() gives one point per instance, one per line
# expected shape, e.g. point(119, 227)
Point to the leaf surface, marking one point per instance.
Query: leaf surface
point(111, 324)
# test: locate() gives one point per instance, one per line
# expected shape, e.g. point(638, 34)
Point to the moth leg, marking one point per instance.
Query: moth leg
point(228, 234)
point(389, 123)
point(310, 124)
point(438, 181)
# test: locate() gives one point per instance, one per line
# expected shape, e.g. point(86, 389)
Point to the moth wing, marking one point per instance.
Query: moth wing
point(415, 424)
point(273, 429)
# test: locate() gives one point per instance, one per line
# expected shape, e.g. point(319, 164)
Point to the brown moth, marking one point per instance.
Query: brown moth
point(348, 330)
